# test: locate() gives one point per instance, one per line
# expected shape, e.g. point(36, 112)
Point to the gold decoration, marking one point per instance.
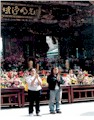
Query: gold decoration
point(19, 11)
point(24, 10)
point(31, 11)
point(15, 10)
point(7, 10)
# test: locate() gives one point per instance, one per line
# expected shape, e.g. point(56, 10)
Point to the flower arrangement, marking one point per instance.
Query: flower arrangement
point(13, 62)
point(70, 79)
point(11, 79)
point(74, 81)
point(66, 79)
point(44, 81)
point(17, 79)
point(83, 78)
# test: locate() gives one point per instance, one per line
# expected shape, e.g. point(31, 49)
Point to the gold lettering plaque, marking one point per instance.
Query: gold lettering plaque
point(15, 10)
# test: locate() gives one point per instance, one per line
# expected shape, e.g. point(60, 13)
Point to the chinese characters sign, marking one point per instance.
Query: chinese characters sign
point(19, 11)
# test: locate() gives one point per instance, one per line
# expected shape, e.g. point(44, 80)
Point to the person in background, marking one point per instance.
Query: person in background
point(71, 74)
point(34, 86)
point(54, 80)
point(32, 63)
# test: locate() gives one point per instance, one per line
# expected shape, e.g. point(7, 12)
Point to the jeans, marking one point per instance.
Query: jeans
point(54, 95)
point(60, 101)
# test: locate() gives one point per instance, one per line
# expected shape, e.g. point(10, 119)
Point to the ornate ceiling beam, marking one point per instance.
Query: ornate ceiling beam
point(72, 3)
point(56, 3)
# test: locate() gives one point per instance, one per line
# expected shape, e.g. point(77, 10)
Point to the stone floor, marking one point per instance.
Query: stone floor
point(75, 111)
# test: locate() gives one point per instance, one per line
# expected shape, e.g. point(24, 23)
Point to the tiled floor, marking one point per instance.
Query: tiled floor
point(84, 111)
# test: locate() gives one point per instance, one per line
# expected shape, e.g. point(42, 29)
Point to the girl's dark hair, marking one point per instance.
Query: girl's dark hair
point(52, 70)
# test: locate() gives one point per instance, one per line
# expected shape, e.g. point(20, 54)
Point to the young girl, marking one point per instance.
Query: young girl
point(34, 87)
point(54, 80)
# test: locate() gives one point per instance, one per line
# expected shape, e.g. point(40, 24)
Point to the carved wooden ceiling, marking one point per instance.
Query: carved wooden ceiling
point(44, 18)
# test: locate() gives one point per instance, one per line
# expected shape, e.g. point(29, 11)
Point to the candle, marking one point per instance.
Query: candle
point(77, 53)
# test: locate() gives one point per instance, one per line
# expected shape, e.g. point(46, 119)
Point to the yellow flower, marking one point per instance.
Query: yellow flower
point(26, 87)
point(73, 81)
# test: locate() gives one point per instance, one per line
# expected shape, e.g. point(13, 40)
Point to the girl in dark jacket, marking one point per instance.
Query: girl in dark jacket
point(54, 80)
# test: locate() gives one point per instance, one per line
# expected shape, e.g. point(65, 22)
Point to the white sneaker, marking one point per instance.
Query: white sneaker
point(31, 114)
